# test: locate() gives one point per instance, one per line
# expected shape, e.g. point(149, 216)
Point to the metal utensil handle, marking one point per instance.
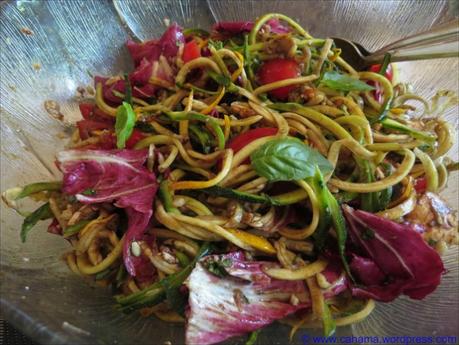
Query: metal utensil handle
point(442, 41)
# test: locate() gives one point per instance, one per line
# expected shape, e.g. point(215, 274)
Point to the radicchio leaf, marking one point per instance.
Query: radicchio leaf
point(390, 259)
point(230, 296)
point(242, 301)
point(235, 28)
point(171, 39)
point(151, 50)
point(115, 176)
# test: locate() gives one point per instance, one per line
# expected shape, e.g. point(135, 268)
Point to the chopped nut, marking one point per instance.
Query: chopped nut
point(294, 300)
point(27, 31)
point(135, 249)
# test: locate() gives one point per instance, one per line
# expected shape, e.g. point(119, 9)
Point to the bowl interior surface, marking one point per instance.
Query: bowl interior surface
point(71, 38)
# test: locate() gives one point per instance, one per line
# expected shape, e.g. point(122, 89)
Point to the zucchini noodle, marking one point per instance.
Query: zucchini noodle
point(402, 171)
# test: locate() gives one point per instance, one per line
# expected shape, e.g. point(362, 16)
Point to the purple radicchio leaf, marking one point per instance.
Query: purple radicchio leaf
point(234, 28)
point(390, 259)
point(231, 296)
point(116, 176)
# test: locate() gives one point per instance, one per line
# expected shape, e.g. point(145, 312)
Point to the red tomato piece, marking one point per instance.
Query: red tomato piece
point(389, 72)
point(377, 93)
point(279, 69)
point(191, 51)
point(242, 140)
point(420, 185)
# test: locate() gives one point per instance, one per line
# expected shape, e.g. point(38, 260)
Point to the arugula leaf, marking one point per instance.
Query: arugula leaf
point(219, 78)
point(216, 44)
point(217, 267)
point(288, 159)
point(89, 191)
point(41, 213)
point(166, 197)
point(38, 187)
point(75, 228)
point(330, 214)
point(368, 201)
point(253, 337)
point(104, 274)
point(420, 135)
point(125, 122)
point(341, 82)
point(202, 137)
point(196, 32)
point(194, 116)
point(319, 187)
point(385, 64)
point(182, 259)
point(168, 288)
point(328, 322)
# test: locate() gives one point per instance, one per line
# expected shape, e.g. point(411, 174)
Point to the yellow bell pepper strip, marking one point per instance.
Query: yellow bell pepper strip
point(256, 242)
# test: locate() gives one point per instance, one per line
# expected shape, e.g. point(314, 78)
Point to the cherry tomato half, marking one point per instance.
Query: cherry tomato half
point(420, 185)
point(243, 139)
point(191, 51)
point(279, 69)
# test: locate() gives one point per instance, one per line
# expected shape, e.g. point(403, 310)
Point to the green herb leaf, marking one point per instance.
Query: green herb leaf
point(75, 228)
point(182, 259)
point(217, 267)
point(38, 187)
point(253, 337)
point(341, 82)
point(194, 116)
point(328, 322)
point(219, 78)
point(420, 135)
point(330, 214)
point(288, 159)
point(104, 274)
point(202, 137)
point(41, 213)
point(125, 122)
point(196, 32)
point(385, 64)
point(368, 234)
point(166, 197)
point(216, 44)
point(162, 290)
point(89, 191)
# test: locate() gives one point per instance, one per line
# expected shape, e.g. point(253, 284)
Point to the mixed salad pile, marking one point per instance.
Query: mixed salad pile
point(249, 175)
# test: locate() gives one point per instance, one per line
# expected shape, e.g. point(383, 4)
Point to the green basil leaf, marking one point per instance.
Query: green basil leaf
point(288, 159)
point(341, 82)
point(41, 213)
point(125, 122)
